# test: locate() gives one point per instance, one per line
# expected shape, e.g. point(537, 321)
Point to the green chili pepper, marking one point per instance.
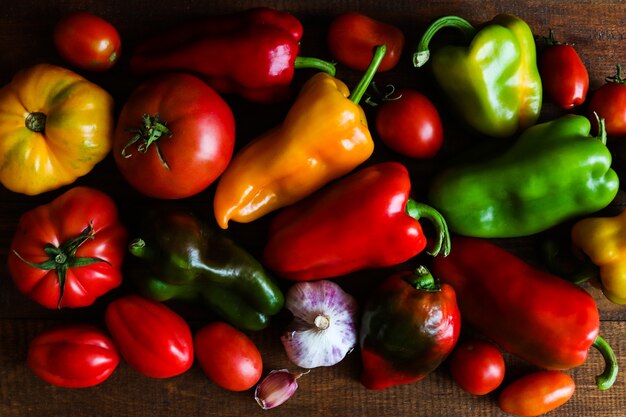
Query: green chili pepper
point(181, 257)
point(493, 80)
point(554, 171)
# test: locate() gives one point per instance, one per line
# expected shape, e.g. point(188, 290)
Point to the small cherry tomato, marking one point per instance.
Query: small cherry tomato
point(609, 103)
point(73, 356)
point(87, 41)
point(536, 393)
point(410, 125)
point(563, 74)
point(352, 38)
point(477, 366)
point(228, 357)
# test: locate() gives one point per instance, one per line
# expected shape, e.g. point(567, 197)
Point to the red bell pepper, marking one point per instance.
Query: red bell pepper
point(251, 53)
point(410, 325)
point(540, 317)
point(365, 220)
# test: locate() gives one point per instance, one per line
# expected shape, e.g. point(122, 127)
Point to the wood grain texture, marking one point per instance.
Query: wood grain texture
point(596, 29)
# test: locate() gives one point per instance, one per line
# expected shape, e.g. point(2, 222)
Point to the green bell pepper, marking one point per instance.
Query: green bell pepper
point(494, 82)
point(178, 256)
point(553, 172)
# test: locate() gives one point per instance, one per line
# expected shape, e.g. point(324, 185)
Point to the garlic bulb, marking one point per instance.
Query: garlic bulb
point(324, 327)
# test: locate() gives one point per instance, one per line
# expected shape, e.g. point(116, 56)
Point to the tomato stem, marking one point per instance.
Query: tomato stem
point(150, 132)
point(36, 121)
point(617, 78)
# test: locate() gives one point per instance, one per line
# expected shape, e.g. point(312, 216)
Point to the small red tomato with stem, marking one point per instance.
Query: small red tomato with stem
point(87, 41)
point(564, 76)
point(352, 38)
point(477, 366)
point(536, 393)
point(228, 357)
point(409, 124)
point(609, 103)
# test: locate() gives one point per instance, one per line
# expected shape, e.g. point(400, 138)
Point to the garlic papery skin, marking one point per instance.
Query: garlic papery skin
point(323, 330)
point(276, 388)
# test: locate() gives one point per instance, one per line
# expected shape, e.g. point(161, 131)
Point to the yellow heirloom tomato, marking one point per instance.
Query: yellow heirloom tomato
point(55, 126)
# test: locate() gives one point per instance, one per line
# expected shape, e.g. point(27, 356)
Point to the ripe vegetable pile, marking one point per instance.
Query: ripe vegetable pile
point(331, 209)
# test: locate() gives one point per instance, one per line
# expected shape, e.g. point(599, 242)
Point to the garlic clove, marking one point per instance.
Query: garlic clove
point(276, 388)
point(324, 330)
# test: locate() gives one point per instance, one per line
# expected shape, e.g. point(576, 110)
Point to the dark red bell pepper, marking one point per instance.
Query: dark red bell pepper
point(365, 220)
point(410, 324)
point(540, 317)
point(251, 53)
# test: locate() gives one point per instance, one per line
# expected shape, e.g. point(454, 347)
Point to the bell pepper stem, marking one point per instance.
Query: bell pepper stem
point(422, 279)
point(607, 378)
point(422, 53)
point(359, 90)
point(316, 63)
point(442, 242)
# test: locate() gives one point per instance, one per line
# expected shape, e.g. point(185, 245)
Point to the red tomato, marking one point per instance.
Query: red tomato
point(69, 252)
point(174, 137)
point(536, 393)
point(151, 337)
point(477, 366)
point(410, 125)
point(609, 103)
point(352, 38)
point(228, 357)
point(563, 74)
point(74, 356)
point(87, 41)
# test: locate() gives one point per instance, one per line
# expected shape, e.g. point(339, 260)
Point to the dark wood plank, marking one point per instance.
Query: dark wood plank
point(596, 29)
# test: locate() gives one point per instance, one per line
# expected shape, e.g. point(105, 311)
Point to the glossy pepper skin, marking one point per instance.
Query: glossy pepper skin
point(493, 80)
point(181, 257)
point(324, 136)
point(553, 172)
point(252, 53)
point(410, 324)
point(603, 240)
point(537, 316)
point(364, 220)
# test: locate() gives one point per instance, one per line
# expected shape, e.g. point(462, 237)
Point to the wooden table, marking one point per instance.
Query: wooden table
point(596, 29)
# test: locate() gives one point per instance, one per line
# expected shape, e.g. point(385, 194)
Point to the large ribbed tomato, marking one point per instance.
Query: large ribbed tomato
point(69, 252)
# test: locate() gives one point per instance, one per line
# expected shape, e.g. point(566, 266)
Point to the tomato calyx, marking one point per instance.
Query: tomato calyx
point(617, 78)
point(36, 121)
point(150, 132)
point(63, 257)
point(378, 97)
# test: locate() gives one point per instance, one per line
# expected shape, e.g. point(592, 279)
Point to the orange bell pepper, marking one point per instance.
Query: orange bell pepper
point(324, 136)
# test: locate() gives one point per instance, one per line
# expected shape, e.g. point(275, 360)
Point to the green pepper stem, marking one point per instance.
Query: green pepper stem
point(601, 129)
point(442, 243)
point(359, 91)
point(607, 378)
point(320, 64)
point(423, 280)
point(422, 53)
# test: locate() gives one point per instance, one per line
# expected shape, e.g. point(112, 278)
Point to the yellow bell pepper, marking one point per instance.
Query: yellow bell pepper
point(323, 137)
point(54, 127)
point(603, 240)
